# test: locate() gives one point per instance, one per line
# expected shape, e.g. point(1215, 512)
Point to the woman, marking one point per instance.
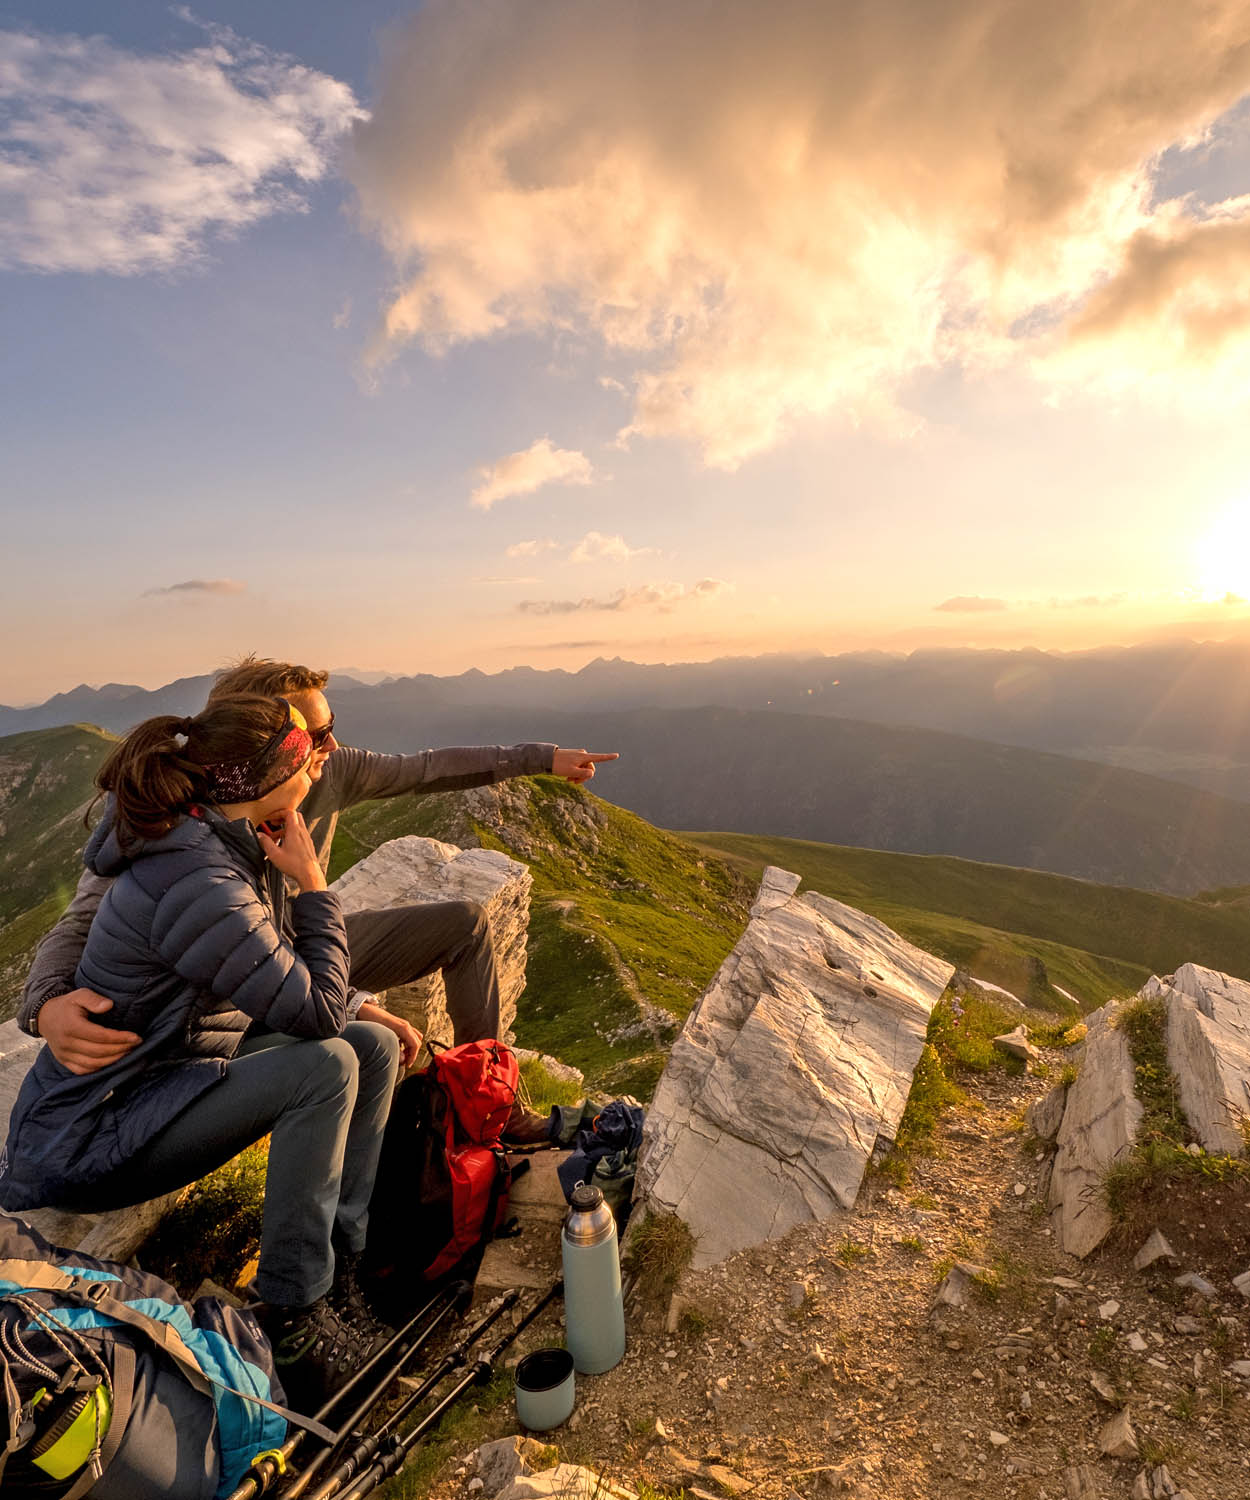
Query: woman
point(245, 1034)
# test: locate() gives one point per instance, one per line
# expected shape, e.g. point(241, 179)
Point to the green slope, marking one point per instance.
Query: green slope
point(46, 781)
point(45, 785)
point(1100, 939)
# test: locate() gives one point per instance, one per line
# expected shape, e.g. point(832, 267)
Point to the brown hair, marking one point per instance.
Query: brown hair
point(271, 679)
point(153, 777)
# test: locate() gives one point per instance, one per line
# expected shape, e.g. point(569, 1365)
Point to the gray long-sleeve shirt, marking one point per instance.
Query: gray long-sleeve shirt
point(348, 777)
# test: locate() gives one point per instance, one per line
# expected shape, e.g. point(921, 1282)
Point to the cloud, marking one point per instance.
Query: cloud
point(533, 548)
point(971, 604)
point(662, 597)
point(507, 578)
point(524, 472)
point(766, 213)
point(123, 162)
point(1089, 601)
point(200, 586)
point(343, 318)
point(595, 546)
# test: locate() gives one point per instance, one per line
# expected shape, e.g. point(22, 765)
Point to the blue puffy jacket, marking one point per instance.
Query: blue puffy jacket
point(187, 944)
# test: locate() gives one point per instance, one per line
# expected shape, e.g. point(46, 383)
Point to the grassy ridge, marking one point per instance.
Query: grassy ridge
point(1095, 941)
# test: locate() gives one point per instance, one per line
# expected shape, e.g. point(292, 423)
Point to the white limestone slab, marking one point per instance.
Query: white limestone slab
point(797, 1058)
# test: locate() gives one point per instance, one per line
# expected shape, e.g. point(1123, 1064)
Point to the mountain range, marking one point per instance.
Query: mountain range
point(1180, 710)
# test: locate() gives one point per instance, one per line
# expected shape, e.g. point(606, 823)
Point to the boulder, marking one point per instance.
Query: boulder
point(1208, 1039)
point(411, 871)
point(1156, 1248)
point(497, 1464)
point(1099, 1125)
point(794, 1064)
point(1016, 1044)
point(1117, 1438)
point(957, 1285)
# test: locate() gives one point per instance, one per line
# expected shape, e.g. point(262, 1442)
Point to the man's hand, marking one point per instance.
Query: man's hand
point(77, 1042)
point(578, 765)
point(409, 1037)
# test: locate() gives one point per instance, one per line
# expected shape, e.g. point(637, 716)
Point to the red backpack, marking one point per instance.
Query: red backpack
point(441, 1191)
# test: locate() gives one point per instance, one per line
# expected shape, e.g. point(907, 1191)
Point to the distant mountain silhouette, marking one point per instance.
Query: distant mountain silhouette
point(1180, 710)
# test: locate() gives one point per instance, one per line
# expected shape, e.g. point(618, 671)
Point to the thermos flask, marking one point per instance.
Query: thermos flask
point(594, 1314)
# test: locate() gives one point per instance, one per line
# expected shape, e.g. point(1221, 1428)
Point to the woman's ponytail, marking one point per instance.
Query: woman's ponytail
point(149, 775)
point(167, 763)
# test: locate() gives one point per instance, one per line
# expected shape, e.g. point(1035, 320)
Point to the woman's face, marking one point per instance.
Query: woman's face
point(290, 794)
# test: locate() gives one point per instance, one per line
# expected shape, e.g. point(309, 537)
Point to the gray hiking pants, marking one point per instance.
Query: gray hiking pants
point(409, 942)
point(323, 1104)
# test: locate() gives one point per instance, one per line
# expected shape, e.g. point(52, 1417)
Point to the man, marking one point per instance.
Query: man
point(387, 947)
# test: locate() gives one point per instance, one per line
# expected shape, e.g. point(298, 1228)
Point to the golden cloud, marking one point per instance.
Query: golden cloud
point(788, 210)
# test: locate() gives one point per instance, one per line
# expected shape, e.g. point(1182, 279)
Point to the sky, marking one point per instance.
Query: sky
point(489, 332)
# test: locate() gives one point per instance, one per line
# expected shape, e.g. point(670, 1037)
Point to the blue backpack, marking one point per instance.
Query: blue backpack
point(114, 1385)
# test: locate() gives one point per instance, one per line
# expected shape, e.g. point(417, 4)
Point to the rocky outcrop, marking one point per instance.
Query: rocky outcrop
point(1206, 1019)
point(1099, 1126)
point(1208, 1039)
point(795, 1063)
point(410, 871)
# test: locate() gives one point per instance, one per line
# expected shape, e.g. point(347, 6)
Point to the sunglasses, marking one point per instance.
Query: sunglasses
point(320, 736)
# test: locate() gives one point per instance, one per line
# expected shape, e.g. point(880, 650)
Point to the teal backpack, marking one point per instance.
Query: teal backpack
point(114, 1385)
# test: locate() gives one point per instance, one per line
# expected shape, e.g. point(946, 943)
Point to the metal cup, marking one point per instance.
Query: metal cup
point(544, 1389)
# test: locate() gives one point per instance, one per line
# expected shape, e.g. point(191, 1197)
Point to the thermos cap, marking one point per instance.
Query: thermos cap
point(590, 1220)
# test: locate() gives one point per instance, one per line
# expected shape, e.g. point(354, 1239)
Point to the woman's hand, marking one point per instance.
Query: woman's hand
point(410, 1038)
point(293, 852)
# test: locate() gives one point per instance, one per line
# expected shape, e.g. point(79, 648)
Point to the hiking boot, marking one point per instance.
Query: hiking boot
point(525, 1128)
point(314, 1351)
point(348, 1299)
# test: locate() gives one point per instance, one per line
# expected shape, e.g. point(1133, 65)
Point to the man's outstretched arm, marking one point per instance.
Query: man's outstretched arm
point(354, 776)
point(54, 1009)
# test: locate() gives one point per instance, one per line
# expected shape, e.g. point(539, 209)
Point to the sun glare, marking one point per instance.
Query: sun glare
point(1222, 554)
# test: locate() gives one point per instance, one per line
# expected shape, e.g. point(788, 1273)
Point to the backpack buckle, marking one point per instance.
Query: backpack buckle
point(89, 1291)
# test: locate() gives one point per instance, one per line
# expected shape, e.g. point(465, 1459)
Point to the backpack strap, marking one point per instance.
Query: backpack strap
point(38, 1275)
point(123, 1393)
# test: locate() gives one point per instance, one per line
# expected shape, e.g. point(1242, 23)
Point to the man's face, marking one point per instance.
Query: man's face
point(316, 711)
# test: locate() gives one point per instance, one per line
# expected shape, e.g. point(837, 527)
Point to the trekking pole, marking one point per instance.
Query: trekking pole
point(367, 1449)
point(349, 1424)
point(271, 1466)
point(395, 1454)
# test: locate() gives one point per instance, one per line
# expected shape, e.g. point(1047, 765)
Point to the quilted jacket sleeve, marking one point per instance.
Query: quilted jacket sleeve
point(360, 775)
point(214, 930)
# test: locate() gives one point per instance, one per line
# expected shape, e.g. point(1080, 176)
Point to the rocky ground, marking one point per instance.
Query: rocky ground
point(815, 1366)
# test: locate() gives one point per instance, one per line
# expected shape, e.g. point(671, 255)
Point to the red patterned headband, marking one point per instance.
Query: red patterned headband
point(275, 762)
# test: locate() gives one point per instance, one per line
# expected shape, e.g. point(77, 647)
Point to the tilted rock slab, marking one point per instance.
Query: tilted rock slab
point(411, 871)
point(1208, 1042)
point(1099, 1125)
point(797, 1058)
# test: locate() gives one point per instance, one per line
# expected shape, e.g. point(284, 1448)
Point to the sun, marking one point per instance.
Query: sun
point(1222, 554)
